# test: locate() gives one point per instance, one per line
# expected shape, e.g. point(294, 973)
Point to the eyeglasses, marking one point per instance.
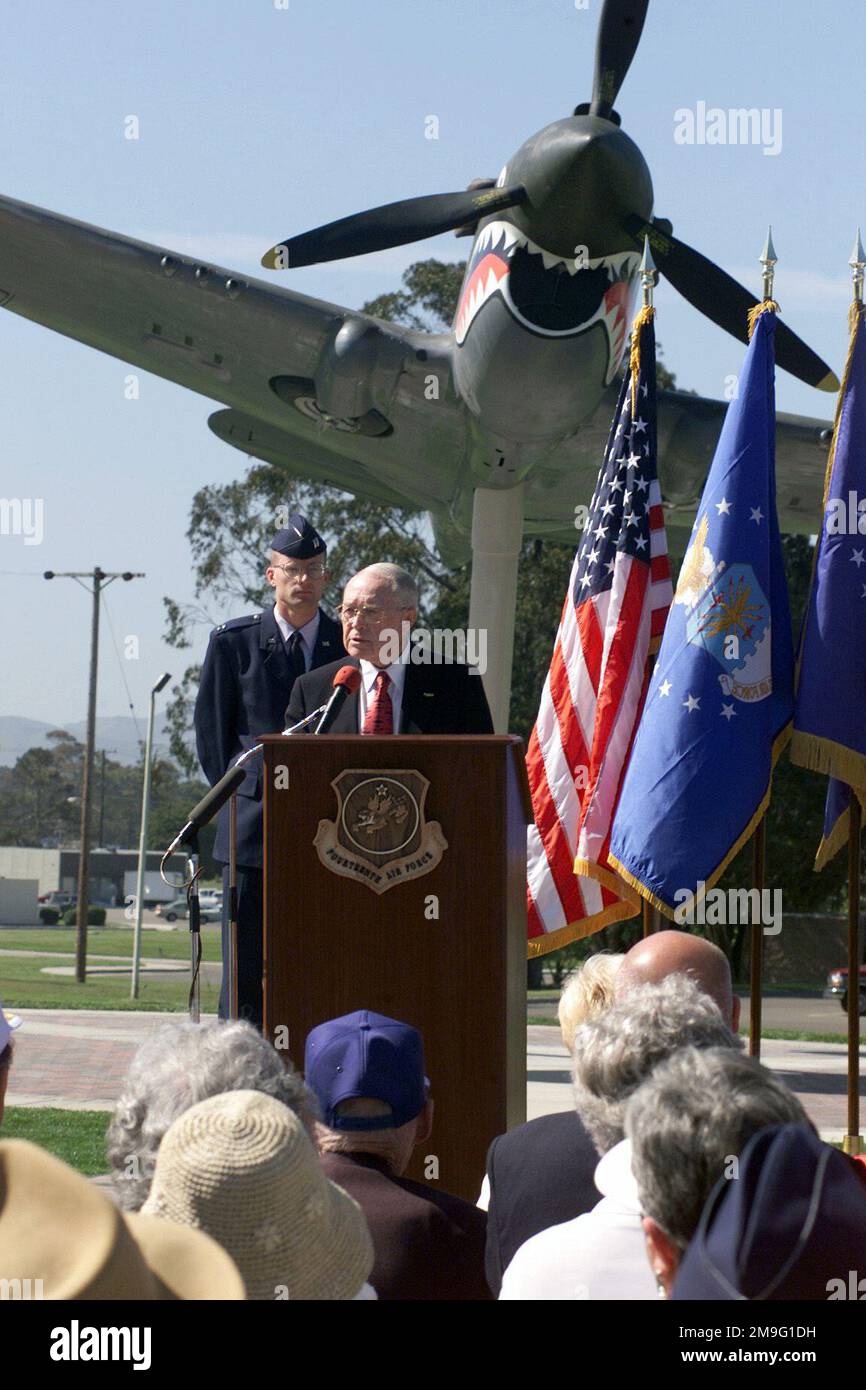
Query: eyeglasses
point(302, 571)
point(348, 612)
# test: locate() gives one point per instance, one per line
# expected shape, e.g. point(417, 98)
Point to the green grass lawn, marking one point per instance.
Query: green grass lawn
point(113, 941)
point(25, 987)
point(76, 1136)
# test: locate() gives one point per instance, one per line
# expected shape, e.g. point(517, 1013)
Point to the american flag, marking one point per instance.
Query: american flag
point(612, 619)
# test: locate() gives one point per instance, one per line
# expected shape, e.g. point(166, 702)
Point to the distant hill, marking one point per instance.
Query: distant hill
point(116, 732)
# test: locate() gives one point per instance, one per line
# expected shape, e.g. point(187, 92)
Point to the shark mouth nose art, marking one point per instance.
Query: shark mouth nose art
point(550, 295)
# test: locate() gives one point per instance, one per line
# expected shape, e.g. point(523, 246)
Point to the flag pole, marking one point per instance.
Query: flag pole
point(852, 1143)
point(756, 971)
point(648, 279)
point(759, 839)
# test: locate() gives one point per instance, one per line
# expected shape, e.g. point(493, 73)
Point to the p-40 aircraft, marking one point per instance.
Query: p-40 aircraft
point(496, 428)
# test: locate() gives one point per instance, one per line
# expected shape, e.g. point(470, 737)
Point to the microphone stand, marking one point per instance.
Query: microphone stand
point(194, 933)
point(232, 990)
point(201, 814)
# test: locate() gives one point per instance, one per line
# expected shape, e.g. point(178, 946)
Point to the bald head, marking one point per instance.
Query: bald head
point(667, 953)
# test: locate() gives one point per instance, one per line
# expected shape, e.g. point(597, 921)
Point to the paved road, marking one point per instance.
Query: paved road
point(800, 1013)
point(816, 1072)
point(76, 1059)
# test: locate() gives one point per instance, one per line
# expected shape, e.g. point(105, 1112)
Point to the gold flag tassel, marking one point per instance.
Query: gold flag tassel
point(765, 306)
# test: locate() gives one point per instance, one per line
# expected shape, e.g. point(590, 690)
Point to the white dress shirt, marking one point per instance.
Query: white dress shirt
point(600, 1255)
point(309, 632)
point(369, 672)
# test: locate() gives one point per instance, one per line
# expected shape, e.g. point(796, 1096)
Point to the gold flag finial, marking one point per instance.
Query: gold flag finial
point(768, 261)
point(649, 276)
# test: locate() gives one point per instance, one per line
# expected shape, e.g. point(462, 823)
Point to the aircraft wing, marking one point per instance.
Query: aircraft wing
point(688, 431)
point(324, 391)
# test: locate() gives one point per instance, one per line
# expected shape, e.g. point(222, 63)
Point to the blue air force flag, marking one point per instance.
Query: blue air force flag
point(719, 706)
point(830, 710)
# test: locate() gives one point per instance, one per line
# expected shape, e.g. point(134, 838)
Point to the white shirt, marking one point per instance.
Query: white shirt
point(369, 672)
point(600, 1255)
point(309, 632)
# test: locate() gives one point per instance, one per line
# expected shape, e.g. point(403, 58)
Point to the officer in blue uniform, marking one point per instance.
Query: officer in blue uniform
point(247, 677)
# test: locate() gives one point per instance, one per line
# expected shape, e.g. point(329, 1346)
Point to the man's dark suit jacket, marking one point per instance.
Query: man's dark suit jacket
point(427, 1244)
point(540, 1173)
point(436, 700)
point(245, 685)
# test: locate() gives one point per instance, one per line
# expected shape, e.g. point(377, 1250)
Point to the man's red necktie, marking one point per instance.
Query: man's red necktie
point(379, 718)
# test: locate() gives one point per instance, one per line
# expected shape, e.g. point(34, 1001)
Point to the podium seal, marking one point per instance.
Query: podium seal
point(380, 836)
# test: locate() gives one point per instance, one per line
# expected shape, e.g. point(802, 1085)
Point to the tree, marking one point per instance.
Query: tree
point(230, 526)
point(40, 805)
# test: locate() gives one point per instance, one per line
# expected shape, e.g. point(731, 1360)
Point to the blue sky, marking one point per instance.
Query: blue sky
point(256, 121)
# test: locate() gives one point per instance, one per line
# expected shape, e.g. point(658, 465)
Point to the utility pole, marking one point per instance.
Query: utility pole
point(142, 839)
point(99, 580)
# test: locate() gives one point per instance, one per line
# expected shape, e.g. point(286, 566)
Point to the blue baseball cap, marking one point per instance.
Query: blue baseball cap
point(366, 1054)
point(789, 1227)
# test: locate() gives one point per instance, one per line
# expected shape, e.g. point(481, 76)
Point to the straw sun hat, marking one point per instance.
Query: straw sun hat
point(61, 1238)
point(241, 1167)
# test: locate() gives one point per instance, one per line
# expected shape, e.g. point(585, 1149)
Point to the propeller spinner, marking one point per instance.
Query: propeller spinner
point(535, 196)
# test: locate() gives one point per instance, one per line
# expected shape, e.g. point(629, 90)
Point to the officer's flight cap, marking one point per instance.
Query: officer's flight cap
point(299, 540)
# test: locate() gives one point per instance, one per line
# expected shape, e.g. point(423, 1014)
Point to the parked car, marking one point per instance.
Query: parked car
point(60, 900)
point(170, 912)
point(837, 987)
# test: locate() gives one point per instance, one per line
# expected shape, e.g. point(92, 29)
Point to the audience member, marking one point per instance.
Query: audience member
point(367, 1072)
point(61, 1238)
point(601, 1254)
point(242, 1167)
point(688, 1123)
point(8, 1023)
point(541, 1173)
point(793, 1225)
point(666, 953)
point(178, 1065)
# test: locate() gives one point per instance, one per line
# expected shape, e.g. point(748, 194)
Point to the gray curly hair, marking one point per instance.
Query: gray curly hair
point(617, 1051)
point(695, 1113)
point(180, 1064)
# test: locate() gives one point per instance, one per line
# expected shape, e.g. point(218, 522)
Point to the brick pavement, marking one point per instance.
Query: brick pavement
point(76, 1059)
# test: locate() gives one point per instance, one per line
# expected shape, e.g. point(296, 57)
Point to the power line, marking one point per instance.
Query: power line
point(129, 699)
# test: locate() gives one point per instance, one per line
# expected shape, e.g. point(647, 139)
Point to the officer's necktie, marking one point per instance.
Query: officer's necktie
point(379, 718)
point(295, 649)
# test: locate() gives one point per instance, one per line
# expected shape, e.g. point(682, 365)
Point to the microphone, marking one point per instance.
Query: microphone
point(210, 803)
point(345, 683)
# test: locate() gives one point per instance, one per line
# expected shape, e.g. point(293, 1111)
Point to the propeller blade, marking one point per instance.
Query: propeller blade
point(721, 298)
point(619, 31)
point(393, 224)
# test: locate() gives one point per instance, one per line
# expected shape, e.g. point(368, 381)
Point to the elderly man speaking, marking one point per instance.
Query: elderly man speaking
point(398, 694)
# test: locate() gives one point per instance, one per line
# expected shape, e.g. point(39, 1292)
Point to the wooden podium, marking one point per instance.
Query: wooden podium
point(395, 880)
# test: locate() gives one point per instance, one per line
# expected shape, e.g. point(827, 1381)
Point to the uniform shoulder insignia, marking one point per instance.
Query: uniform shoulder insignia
point(235, 624)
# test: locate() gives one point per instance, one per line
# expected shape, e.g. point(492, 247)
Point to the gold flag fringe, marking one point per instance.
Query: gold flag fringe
point(779, 743)
point(833, 759)
point(644, 315)
point(576, 931)
point(831, 845)
point(855, 313)
point(766, 306)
